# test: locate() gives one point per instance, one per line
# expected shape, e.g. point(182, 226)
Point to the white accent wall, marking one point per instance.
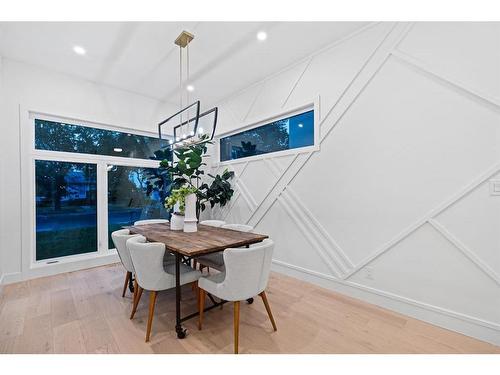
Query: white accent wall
point(27, 87)
point(396, 207)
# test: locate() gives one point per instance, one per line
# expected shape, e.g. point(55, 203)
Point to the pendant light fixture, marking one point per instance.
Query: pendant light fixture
point(187, 130)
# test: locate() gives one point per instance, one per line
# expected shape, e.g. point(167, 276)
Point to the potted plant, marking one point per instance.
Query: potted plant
point(187, 170)
point(177, 202)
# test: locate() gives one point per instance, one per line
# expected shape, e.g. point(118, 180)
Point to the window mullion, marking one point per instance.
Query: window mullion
point(102, 207)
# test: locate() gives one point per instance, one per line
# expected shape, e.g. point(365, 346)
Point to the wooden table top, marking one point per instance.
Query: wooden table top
point(206, 240)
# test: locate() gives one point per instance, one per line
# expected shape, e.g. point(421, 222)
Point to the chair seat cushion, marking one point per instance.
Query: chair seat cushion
point(214, 260)
point(188, 274)
point(209, 283)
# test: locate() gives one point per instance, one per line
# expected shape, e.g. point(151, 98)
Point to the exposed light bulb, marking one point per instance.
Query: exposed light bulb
point(200, 130)
point(170, 141)
point(191, 133)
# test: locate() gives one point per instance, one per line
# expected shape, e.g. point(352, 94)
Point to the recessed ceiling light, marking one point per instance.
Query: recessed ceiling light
point(190, 88)
point(79, 50)
point(261, 35)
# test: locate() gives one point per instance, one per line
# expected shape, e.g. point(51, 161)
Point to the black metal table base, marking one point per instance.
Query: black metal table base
point(131, 284)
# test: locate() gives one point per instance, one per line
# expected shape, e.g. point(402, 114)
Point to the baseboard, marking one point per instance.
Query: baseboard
point(57, 268)
point(451, 320)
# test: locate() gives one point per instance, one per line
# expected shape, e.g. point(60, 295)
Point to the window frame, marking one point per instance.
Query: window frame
point(29, 154)
point(311, 106)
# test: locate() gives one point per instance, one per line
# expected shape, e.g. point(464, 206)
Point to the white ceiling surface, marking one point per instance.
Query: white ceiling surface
point(140, 57)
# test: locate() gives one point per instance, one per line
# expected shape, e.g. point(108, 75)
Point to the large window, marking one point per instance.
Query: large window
point(127, 198)
point(66, 209)
point(58, 136)
point(89, 182)
point(284, 134)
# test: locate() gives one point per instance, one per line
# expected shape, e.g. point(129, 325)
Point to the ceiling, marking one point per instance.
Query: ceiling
point(140, 57)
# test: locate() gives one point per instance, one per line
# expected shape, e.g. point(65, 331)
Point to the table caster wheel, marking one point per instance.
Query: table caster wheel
point(181, 333)
point(250, 301)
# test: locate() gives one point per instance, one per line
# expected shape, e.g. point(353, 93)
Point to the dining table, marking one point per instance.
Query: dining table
point(186, 246)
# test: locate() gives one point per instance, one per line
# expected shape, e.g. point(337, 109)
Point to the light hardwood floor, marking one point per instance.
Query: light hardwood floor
point(83, 312)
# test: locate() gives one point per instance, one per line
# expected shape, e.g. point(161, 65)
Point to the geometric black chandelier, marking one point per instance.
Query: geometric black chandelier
point(192, 126)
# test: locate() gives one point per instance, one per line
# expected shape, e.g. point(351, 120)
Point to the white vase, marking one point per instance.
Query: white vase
point(190, 219)
point(177, 222)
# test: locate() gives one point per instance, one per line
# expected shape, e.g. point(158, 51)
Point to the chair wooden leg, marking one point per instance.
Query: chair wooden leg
point(201, 307)
point(268, 309)
point(136, 287)
point(136, 302)
point(127, 278)
point(152, 301)
point(236, 325)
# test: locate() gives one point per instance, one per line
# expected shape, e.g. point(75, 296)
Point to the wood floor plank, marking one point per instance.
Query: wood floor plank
point(63, 308)
point(37, 337)
point(83, 312)
point(97, 336)
point(68, 338)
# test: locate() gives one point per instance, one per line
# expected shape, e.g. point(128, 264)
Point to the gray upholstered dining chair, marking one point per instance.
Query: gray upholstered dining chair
point(246, 275)
point(216, 260)
point(213, 223)
point(120, 238)
point(153, 274)
point(151, 221)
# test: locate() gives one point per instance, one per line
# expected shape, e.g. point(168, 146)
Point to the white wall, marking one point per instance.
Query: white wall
point(1, 166)
point(395, 208)
point(38, 89)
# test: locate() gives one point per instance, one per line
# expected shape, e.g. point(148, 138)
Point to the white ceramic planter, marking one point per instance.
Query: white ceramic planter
point(190, 214)
point(177, 222)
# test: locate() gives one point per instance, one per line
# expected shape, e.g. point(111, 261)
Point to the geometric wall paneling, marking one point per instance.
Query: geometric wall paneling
point(396, 201)
point(283, 162)
point(475, 221)
point(484, 267)
point(405, 181)
point(429, 269)
point(294, 247)
point(349, 95)
point(238, 107)
point(466, 52)
point(258, 179)
point(331, 70)
point(276, 90)
point(315, 232)
point(429, 218)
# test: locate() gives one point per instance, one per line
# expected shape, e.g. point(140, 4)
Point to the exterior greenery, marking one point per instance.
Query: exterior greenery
point(284, 134)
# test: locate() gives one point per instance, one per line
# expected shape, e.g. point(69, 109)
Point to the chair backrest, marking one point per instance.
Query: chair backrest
point(120, 238)
point(213, 223)
point(147, 258)
point(151, 221)
point(247, 270)
point(238, 227)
